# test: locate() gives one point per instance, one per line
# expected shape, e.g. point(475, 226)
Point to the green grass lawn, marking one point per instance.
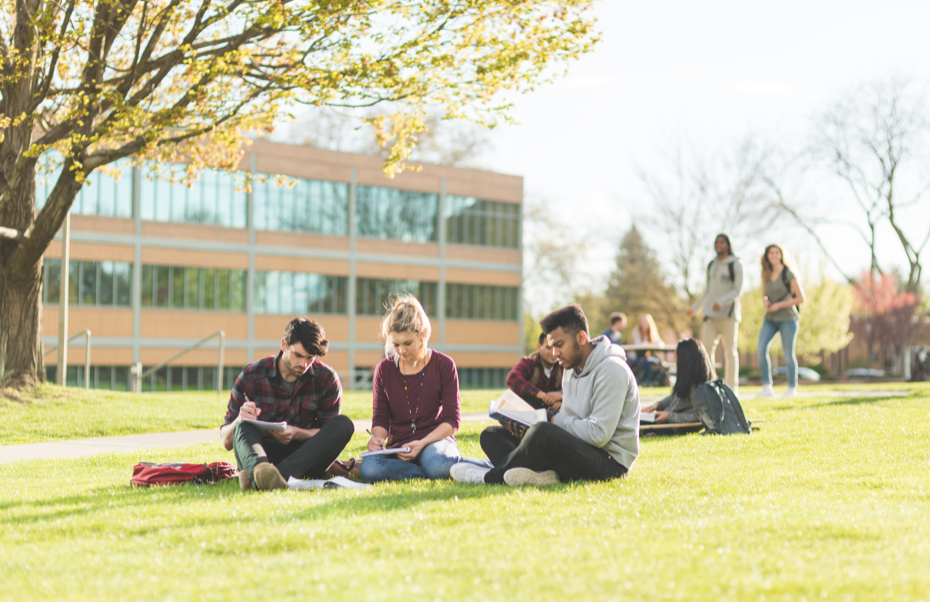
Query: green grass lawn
point(53, 413)
point(829, 501)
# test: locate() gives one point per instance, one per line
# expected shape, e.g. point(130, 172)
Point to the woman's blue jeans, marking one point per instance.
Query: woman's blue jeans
point(789, 336)
point(434, 462)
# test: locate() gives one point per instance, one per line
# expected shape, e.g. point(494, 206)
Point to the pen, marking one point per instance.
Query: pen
point(372, 436)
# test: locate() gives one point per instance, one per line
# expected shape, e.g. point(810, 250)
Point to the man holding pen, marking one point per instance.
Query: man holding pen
point(293, 387)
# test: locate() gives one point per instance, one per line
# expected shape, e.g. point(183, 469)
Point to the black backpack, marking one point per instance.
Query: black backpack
point(721, 412)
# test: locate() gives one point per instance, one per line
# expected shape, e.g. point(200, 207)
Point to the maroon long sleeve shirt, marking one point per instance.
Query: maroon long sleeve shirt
point(431, 398)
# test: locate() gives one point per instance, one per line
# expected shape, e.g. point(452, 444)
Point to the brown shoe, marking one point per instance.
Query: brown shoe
point(244, 482)
point(267, 477)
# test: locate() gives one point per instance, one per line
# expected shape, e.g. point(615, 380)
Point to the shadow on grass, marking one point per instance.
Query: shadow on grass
point(847, 401)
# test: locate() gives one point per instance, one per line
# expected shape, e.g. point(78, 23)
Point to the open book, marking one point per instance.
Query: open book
point(647, 417)
point(333, 483)
point(264, 427)
point(510, 407)
point(385, 452)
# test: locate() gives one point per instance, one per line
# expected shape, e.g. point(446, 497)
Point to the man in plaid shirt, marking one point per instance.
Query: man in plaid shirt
point(538, 380)
point(293, 387)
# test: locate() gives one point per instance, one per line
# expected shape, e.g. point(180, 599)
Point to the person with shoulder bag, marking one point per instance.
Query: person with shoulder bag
point(783, 297)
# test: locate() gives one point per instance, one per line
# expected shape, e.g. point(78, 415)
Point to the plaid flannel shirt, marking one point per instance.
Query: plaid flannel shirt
point(316, 400)
point(518, 380)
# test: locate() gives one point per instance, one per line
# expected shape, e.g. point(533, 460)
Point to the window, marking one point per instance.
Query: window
point(308, 206)
point(471, 221)
point(214, 198)
point(211, 289)
point(481, 302)
point(90, 283)
point(483, 378)
point(371, 294)
point(298, 293)
point(103, 194)
point(390, 213)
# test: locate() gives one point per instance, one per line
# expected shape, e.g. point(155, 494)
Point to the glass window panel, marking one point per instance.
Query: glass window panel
point(272, 293)
point(88, 283)
point(238, 204)
point(209, 288)
point(123, 279)
point(148, 288)
point(302, 288)
point(193, 289)
point(163, 200)
point(237, 290)
point(106, 284)
point(223, 290)
point(146, 198)
point(162, 280)
point(74, 282)
point(52, 292)
point(106, 195)
point(178, 278)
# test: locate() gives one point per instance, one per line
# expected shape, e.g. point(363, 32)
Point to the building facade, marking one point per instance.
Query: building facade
point(155, 266)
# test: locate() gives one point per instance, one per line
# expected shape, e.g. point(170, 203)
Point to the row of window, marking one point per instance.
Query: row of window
point(482, 302)
point(203, 378)
point(300, 293)
point(168, 378)
point(218, 198)
point(93, 283)
point(193, 288)
point(108, 284)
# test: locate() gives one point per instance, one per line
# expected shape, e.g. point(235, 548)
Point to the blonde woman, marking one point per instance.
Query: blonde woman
point(648, 368)
point(783, 294)
point(416, 401)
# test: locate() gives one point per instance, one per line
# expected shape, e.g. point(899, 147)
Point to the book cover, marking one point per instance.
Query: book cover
point(510, 408)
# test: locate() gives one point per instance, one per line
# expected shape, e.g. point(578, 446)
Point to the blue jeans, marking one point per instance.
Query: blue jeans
point(433, 462)
point(789, 336)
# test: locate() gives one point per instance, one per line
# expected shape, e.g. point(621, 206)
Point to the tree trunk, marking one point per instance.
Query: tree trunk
point(20, 289)
point(21, 362)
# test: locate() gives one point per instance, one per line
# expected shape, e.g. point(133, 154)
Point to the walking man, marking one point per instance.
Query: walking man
point(720, 303)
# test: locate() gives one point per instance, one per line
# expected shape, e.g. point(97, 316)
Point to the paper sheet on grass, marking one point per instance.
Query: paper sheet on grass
point(333, 483)
point(264, 427)
point(510, 407)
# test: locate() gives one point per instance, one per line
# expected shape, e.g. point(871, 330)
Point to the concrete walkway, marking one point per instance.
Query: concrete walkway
point(103, 445)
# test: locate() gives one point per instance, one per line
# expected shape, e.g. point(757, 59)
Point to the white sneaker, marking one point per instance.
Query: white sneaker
point(515, 477)
point(791, 392)
point(464, 472)
point(767, 391)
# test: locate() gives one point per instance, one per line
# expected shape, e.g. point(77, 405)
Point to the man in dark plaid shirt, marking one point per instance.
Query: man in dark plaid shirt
point(538, 380)
point(293, 387)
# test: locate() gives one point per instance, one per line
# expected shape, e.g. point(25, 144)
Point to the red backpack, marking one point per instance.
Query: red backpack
point(146, 474)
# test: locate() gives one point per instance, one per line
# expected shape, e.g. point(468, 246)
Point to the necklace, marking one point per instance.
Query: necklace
point(413, 414)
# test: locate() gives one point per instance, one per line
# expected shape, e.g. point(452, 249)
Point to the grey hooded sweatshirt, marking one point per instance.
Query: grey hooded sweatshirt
point(600, 405)
point(721, 290)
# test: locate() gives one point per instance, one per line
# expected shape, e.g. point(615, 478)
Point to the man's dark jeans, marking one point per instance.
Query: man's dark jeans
point(497, 443)
point(299, 459)
point(549, 447)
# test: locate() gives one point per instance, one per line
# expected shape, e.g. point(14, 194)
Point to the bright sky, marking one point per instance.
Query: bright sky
point(707, 71)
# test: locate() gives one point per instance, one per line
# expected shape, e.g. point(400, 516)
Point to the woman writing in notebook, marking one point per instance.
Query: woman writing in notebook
point(416, 402)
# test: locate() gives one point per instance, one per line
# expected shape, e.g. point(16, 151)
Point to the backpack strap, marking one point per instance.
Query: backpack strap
point(534, 376)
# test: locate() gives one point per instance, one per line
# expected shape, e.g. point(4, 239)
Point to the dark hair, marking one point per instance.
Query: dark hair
point(542, 337)
point(570, 318)
point(729, 244)
point(694, 368)
point(616, 317)
point(308, 333)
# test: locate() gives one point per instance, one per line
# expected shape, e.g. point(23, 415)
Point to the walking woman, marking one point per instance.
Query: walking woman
point(694, 369)
point(783, 294)
point(416, 402)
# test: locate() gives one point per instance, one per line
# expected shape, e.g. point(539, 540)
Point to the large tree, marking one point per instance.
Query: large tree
point(85, 83)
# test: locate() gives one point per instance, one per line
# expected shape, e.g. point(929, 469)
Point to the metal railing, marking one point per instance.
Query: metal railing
point(136, 376)
point(86, 333)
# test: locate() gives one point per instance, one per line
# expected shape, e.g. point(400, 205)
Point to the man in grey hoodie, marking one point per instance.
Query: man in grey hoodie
point(720, 302)
point(595, 436)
